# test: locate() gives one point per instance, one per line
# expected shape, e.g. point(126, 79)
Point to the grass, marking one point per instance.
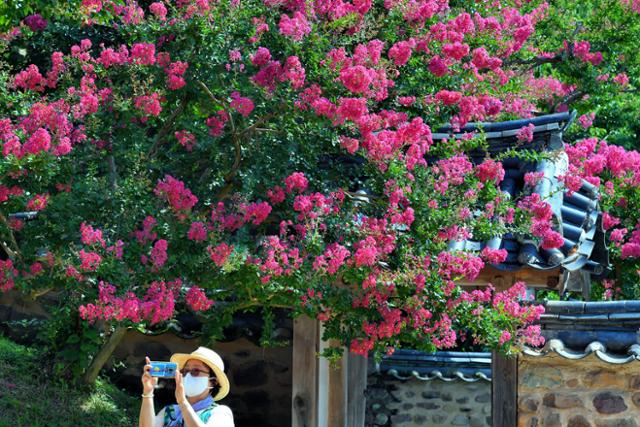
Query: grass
point(29, 399)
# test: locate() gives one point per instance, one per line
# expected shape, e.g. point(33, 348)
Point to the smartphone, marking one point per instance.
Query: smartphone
point(163, 369)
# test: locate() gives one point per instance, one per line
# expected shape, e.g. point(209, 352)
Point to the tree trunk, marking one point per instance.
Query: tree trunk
point(103, 355)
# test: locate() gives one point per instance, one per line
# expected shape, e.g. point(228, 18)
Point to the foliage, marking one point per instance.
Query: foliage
point(22, 377)
point(220, 157)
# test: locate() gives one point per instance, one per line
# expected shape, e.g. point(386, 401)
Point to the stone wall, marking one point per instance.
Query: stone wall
point(557, 392)
point(435, 403)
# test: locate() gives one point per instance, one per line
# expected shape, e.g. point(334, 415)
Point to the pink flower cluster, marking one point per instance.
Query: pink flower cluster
point(91, 236)
point(176, 194)
point(334, 257)
point(157, 305)
point(541, 221)
point(241, 104)
point(7, 275)
point(197, 299)
point(220, 253)
point(295, 27)
point(186, 139)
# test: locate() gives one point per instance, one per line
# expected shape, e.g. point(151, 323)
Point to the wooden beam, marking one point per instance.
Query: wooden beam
point(502, 280)
point(504, 390)
point(304, 393)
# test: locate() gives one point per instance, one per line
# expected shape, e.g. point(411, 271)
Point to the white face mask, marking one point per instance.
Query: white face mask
point(193, 386)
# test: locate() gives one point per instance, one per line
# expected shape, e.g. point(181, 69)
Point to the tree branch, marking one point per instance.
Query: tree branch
point(15, 250)
point(166, 127)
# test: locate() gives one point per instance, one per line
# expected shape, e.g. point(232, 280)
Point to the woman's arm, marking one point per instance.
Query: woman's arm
point(147, 411)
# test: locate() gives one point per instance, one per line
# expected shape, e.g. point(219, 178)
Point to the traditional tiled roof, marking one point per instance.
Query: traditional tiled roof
point(576, 329)
point(576, 214)
point(442, 365)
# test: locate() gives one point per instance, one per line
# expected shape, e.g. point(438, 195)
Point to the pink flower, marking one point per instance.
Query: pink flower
point(525, 133)
point(294, 72)
point(216, 123)
point(220, 253)
point(159, 10)
point(197, 299)
point(261, 57)
point(609, 221)
point(296, 181)
point(38, 202)
point(349, 144)
point(38, 142)
point(494, 256)
point(186, 139)
point(257, 213)
point(438, 67)
point(159, 253)
point(176, 194)
point(197, 232)
point(504, 337)
point(276, 195)
point(401, 52)
point(91, 236)
point(89, 261)
point(242, 105)
point(149, 104)
point(296, 27)
point(356, 79)
point(622, 79)
point(455, 50)
point(586, 120)
point(490, 170)
point(30, 79)
point(448, 97)
point(36, 22)
point(143, 53)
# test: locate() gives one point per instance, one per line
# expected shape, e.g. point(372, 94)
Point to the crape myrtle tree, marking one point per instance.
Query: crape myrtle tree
point(219, 157)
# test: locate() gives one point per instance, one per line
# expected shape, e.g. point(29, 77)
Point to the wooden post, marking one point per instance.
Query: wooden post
point(356, 385)
point(504, 390)
point(304, 393)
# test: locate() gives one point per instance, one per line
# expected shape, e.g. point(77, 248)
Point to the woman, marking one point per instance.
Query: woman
point(194, 383)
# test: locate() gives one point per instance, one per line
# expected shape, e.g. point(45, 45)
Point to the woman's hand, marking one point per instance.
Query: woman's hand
point(148, 382)
point(181, 397)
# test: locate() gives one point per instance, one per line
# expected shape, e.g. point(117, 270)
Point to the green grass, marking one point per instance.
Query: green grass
point(29, 399)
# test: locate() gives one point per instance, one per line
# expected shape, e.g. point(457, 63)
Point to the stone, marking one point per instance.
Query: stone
point(552, 420)
point(376, 406)
point(476, 422)
point(619, 422)
point(407, 406)
point(462, 400)
point(381, 419)
point(427, 405)
point(439, 418)
point(400, 418)
point(562, 401)
point(572, 383)
point(528, 404)
point(549, 378)
point(635, 398)
point(447, 397)
point(609, 403)
point(526, 421)
point(603, 378)
point(578, 421)
point(419, 419)
point(430, 394)
point(409, 394)
point(460, 420)
point(634, 382)
point(483, 398)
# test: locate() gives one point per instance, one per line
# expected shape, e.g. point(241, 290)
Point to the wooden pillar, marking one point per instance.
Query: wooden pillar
point(324, 396)
point(504, 390)
point(304, 392)
point(357, 381)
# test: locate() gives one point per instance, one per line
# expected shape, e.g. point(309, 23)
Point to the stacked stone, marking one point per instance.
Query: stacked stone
point(434, 403)
point(557, 392)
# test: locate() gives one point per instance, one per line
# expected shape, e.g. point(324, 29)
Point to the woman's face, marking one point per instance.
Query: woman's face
point(204, 370)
